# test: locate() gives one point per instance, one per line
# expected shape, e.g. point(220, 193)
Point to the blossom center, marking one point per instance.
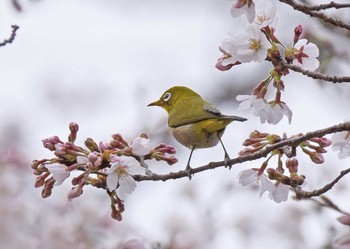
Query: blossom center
point(254, 44)
point(121, 170)
point(262, 16)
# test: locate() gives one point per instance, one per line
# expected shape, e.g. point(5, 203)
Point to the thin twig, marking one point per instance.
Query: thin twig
point(301, 194)
point(293, 142)
point(317, 75)
point(329, 6)
point(12, 37)
point(309, 11)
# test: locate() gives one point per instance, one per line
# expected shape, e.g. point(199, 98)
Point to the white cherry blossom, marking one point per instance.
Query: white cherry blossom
point(265, 14)
point(119, 175)
point(277, 192)
point(341, 143)
point(305, 55)
point(268, 112)
point(243, 7)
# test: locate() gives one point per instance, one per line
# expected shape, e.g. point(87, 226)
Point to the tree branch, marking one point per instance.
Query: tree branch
point(12, 37)
point(329, 6)
point(309, 11)
point(301, 194)
point(293, 142)
point(317, 75)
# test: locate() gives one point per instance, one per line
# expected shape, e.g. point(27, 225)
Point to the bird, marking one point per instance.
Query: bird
point(194, 122)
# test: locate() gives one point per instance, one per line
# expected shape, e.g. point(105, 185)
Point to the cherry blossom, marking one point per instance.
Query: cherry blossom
point(59, 172)
point(250, 46)
point(279, 193)
point(243, 7)
point(341, 143)
point(119, 175)
point(278, 111)
point(265, 14)
point(268, 112)
point(252, 176)
point(141, 146)
point(305, 55)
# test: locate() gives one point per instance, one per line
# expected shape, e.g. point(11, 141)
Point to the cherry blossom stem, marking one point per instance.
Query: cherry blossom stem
point(317, 75)
point(309, 10)
point(292, 142)
point(301, 194)
point(329, 6)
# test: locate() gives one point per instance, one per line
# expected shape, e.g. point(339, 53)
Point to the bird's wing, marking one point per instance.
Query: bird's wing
point(191, 111)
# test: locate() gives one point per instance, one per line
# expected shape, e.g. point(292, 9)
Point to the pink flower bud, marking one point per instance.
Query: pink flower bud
point(273, 174)
point(75, 192)
point(297, 32)
point(102, 146)
point(163, 148)
point(171, 160)
point(47, 190)
point(49, 143)
point(118, 137)
point(40, 180)
point(322, 141)
point(292, 165)
point(258, 134)
point(257, 90)
point(73, 127)
point(316, 157)
point(35, 164)
point(76, 180)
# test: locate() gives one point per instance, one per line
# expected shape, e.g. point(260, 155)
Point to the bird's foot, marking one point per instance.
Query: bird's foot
point(189, 171)
point(227, 158)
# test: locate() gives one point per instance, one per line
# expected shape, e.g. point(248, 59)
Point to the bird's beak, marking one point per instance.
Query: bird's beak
point(156, 103)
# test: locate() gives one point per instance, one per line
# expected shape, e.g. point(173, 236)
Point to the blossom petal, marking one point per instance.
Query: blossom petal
point(248, 177)
point(141, 146)
point(127, 184)
point(280, 193)
point(112, 181)
point(59, 172)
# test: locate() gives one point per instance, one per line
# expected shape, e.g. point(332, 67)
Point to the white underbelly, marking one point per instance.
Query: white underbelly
point(190, 136)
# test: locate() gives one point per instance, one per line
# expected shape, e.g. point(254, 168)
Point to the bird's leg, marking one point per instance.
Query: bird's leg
point(188, 167)
point(227, 157)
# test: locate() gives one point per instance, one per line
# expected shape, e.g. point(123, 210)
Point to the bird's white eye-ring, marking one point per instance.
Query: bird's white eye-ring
point(166, 97)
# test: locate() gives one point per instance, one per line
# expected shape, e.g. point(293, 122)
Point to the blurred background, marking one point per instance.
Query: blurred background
point(99, 63)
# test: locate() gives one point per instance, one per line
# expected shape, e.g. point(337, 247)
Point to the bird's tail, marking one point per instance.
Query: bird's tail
point(235, 118)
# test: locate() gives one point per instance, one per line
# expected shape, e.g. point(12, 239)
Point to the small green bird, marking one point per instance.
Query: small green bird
point(194, 122)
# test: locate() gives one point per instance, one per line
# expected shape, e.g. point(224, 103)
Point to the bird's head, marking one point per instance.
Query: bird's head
point(174, 95)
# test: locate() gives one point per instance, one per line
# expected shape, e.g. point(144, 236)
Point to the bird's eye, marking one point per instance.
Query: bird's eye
point(166, 97)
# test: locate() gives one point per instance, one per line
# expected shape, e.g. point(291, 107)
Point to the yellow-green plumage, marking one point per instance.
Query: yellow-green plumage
point(193, 122)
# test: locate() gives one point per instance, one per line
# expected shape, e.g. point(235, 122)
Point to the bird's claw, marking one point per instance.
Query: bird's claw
point(189, 172)
point(227, 157)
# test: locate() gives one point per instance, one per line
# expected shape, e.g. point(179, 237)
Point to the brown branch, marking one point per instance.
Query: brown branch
point(293, 142)
point(301, 194)
point(329, 6)
point(309, 11)
point(12, 37)
point(317, 75)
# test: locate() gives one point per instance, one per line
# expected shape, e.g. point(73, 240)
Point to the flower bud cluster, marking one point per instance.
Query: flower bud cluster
point(108, 166)
point(315, 148)
point(285, 173)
